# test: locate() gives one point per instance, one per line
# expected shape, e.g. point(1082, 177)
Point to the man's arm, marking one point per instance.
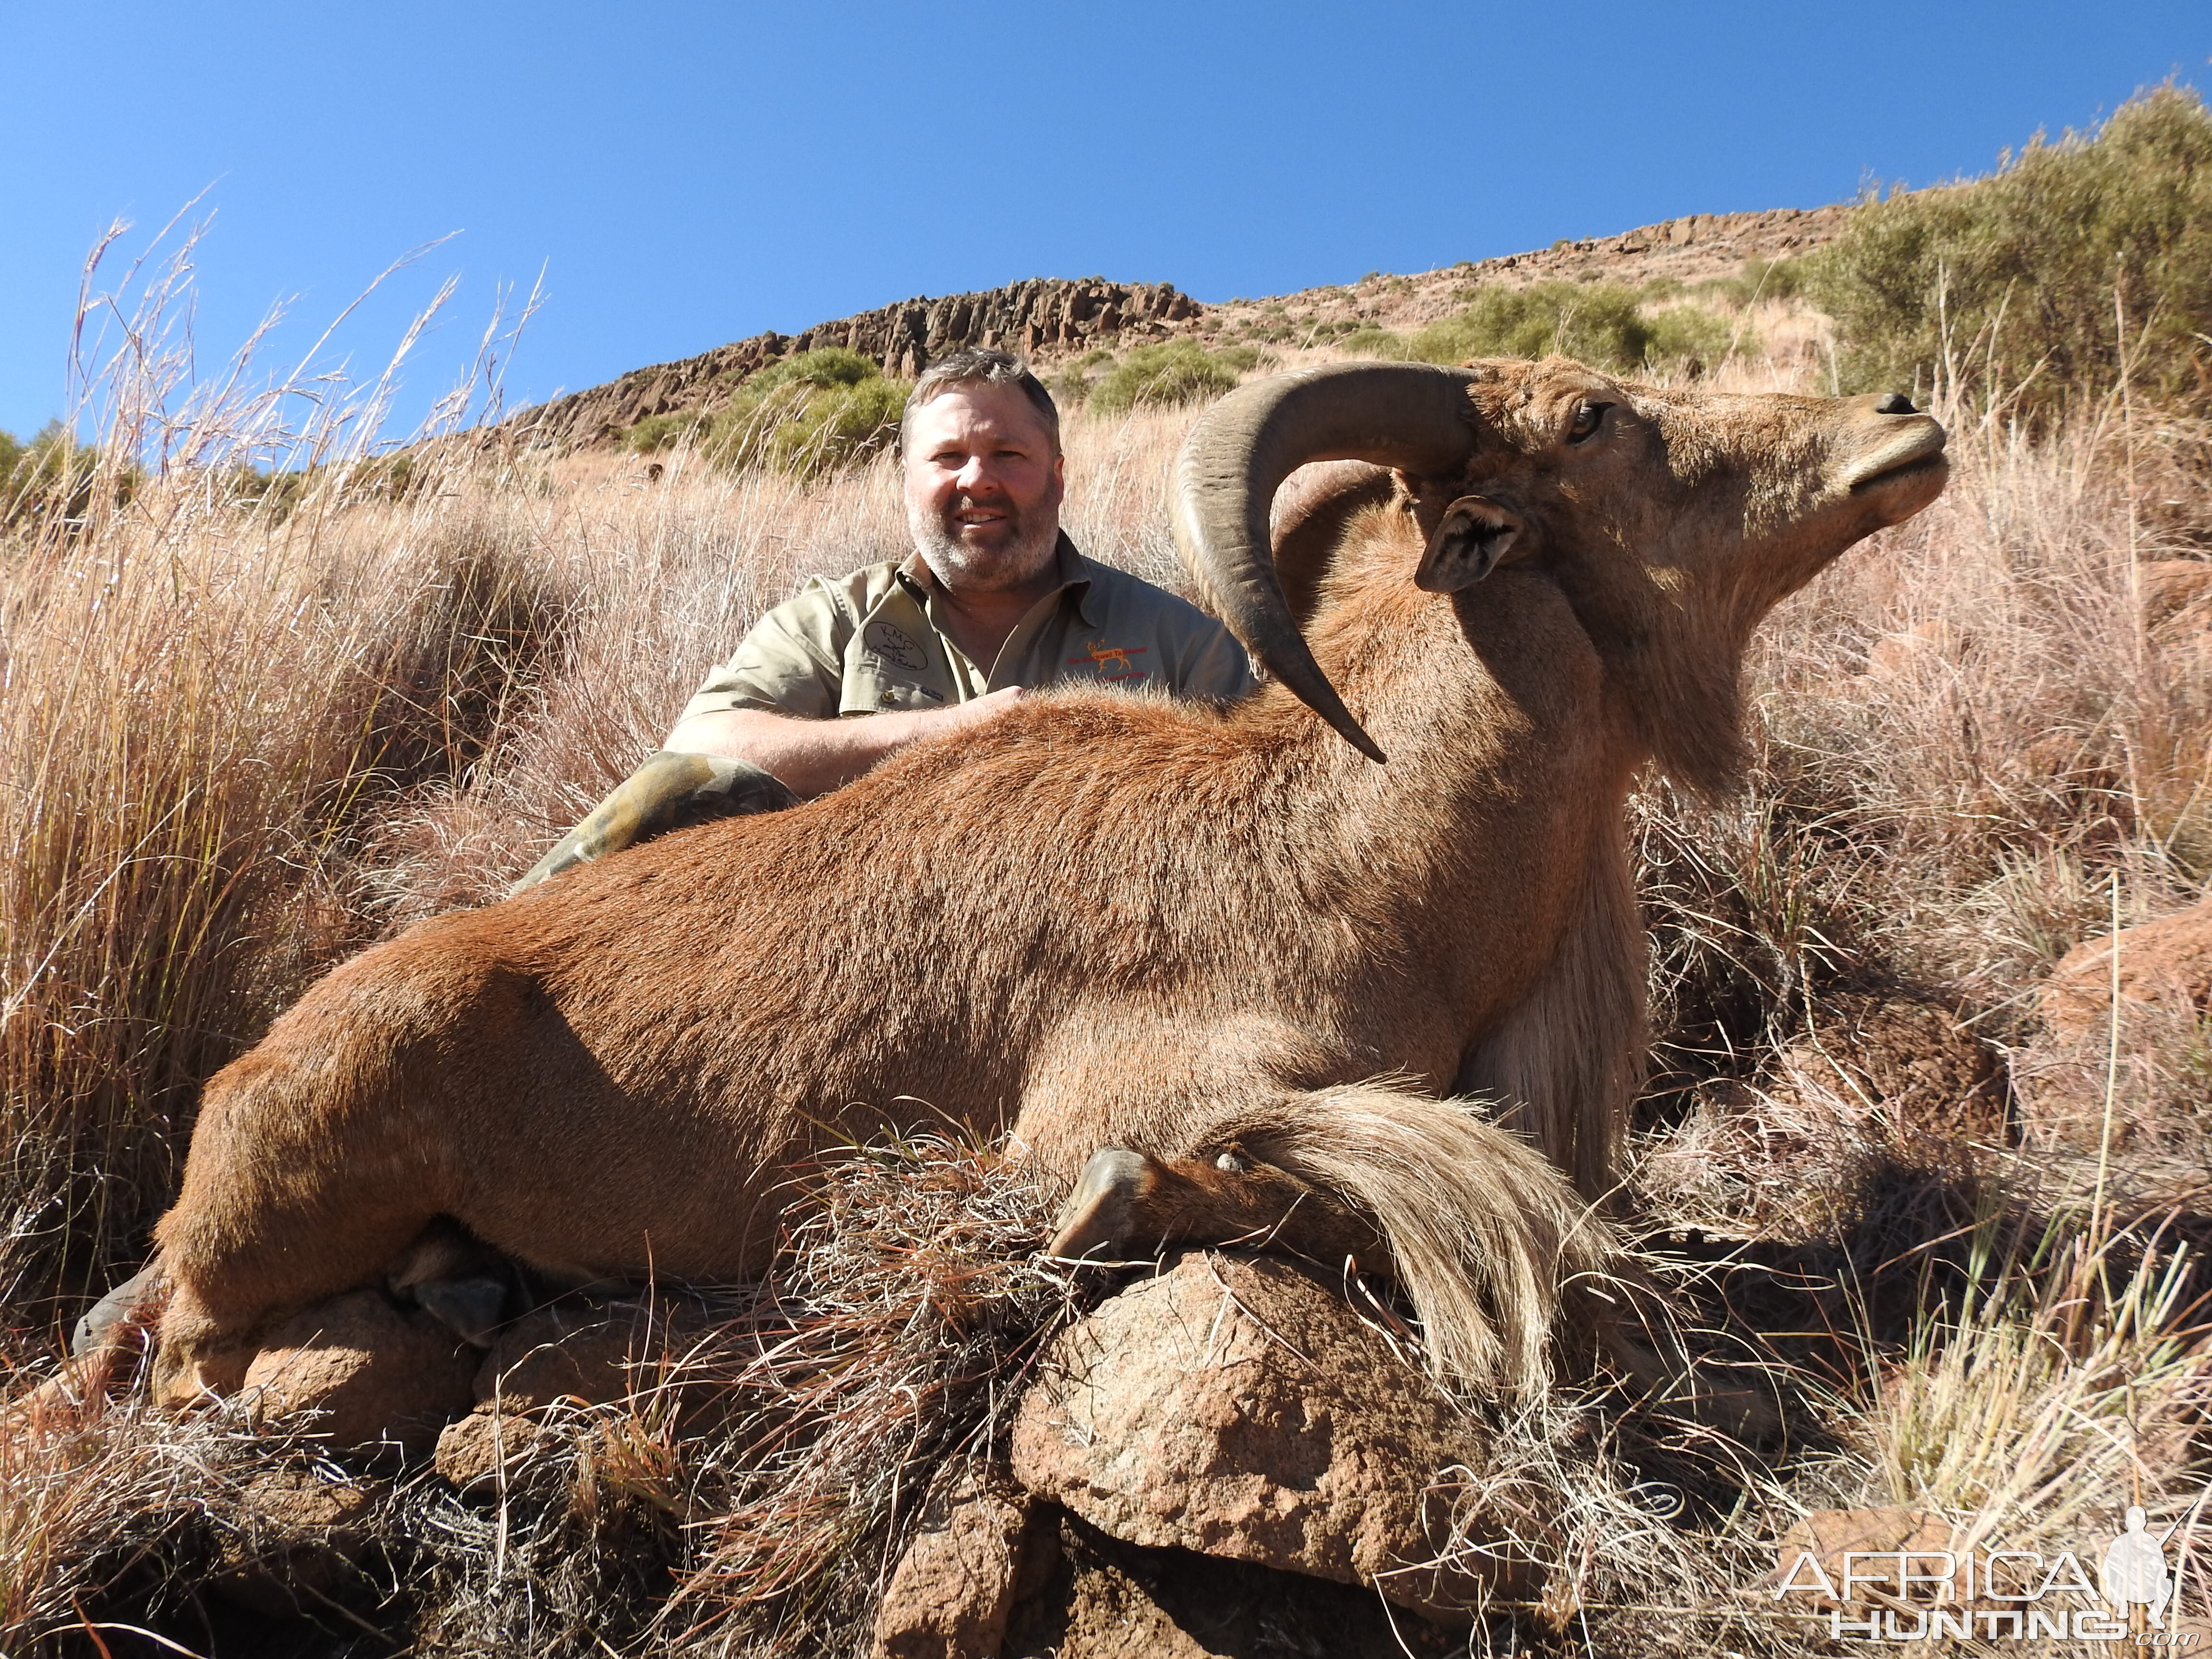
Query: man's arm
point(812, 756)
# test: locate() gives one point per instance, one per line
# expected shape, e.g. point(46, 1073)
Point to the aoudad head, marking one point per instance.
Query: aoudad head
point(982, 470)
point(1673, 520)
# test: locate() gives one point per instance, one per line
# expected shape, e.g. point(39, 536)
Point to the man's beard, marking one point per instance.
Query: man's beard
point(980, 570)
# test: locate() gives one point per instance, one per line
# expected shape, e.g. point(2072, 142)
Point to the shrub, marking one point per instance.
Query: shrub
point(1689, 339)
point(53, 477)
point(808, 415)
point(1370, 341)
point(658, 432)
point(2022, 282)
point(1172, 372)
point(1597, 322)
point(1759, 280)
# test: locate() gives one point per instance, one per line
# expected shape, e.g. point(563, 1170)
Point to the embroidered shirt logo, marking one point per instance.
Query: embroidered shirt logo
point(893, 645)
point(1103, 657)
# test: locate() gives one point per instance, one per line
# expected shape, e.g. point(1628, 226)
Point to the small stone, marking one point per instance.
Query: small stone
point(1236, 1407)
point(488, 1448)
point(381, 1379)
point(953, 1588)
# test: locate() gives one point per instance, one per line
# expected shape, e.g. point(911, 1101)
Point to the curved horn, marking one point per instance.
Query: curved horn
point(1409, 415)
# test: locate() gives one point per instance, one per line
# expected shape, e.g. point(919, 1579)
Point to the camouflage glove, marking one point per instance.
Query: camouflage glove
point(669, 792)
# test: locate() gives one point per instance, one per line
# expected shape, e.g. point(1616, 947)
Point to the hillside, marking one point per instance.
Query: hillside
point(1054, 318)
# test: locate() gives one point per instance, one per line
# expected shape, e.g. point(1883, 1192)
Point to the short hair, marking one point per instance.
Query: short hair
point(980, 365)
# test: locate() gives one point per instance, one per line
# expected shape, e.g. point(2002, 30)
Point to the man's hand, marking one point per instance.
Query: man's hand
point(811, 758)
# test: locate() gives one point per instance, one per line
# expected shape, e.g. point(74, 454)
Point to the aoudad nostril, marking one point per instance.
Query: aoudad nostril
point(1895, 402)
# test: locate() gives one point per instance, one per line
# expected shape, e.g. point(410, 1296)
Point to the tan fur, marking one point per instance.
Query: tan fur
point(1105, 922)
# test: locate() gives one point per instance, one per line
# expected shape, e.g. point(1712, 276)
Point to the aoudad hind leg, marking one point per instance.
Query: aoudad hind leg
point(1127, 1204)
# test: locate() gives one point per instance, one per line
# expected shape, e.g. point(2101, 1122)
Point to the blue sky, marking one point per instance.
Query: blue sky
point(685, 175)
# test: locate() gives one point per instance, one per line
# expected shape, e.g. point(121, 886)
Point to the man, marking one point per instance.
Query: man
point(994, 600)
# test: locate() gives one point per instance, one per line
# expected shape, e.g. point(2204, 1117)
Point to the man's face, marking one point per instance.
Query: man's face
point(983, 487)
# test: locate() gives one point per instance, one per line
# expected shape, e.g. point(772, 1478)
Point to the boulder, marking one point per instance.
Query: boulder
point(1235, 1406)
point(1098, 1598)
point(380, 1379)
point(2168, 961)
point(952, 1589)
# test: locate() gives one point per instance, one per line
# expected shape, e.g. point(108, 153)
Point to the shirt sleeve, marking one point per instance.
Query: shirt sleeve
point(793, 662)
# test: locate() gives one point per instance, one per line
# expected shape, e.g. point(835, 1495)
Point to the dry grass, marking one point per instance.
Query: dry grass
point(240, 736)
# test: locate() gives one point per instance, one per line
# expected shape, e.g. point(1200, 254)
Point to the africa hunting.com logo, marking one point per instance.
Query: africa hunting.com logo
point(1890, 1576)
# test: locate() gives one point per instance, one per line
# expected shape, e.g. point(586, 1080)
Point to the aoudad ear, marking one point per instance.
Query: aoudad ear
point(1473, 536)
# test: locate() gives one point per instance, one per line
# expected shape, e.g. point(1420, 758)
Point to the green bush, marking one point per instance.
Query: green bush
point(1370, 341)
point(1759, 280)
point(1172, 372)
point(53, 475)
point(659, 432)
point(1601, 323)
point(836, 426)
point(810, 414)
point(1689, 339)
point(2018, 283)
point(1598, 323)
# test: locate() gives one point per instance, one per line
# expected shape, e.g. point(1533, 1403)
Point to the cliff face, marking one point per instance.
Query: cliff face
point(1046, 314)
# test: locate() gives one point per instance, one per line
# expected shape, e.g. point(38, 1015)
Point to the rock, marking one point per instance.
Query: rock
point(300, 1543)
point(488, 1448)
point(1235, 1407)
point(2167, 962)
point(1928, 1071)
point(1827, 1536)
point(952, 1589)
point(383, 1379)
point(1046, 313)
point(591, 1356)
point(1098, 1598)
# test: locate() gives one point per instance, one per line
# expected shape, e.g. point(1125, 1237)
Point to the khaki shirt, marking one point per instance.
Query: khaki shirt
point(873, 641)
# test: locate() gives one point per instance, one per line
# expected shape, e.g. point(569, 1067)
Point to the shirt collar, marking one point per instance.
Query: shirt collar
point(1073, 571)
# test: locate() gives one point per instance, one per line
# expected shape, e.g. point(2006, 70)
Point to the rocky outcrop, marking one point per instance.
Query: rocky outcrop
point(1235, 1407)
point(1055, 315)
point(1699, 243)
point(1047, 314)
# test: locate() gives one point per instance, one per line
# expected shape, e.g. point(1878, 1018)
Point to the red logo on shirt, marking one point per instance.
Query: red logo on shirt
point(1103, 655)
